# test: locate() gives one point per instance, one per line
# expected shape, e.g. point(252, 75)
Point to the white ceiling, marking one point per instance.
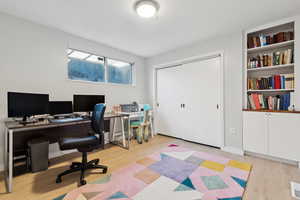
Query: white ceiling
point(179, 23)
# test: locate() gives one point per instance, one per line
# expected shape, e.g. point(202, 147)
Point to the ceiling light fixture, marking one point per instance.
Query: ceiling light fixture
point(146, 8)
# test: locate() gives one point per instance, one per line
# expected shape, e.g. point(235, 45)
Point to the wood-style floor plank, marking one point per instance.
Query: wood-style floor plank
point(269, 180)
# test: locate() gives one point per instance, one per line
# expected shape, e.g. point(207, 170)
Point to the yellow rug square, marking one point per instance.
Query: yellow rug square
point(213, 165)
point(239, 165)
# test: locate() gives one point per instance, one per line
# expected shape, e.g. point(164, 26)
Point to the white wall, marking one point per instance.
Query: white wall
point(33, 59)
point(231, 45)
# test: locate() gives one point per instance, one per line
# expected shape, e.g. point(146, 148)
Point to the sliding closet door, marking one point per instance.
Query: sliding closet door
point(202, 90)
point(169, 98)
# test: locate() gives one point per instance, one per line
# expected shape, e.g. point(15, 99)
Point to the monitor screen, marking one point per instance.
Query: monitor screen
point(60, 107)
point(26, 104)
point(86, 103)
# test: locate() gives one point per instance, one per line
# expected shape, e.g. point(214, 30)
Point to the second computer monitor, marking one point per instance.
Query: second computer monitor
point(60, 107)
point(86, 103)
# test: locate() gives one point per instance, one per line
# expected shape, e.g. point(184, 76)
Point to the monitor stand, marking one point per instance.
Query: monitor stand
point(25, 121)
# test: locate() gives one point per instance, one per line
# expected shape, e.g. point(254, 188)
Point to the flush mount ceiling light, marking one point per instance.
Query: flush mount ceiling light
point(146, 8)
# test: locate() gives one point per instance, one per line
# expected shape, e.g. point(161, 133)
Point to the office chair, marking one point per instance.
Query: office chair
point(85, 145)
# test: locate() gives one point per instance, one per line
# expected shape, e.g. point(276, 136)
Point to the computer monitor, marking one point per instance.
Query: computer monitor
point(26, 104)
point(60, 107)
point(86, 103)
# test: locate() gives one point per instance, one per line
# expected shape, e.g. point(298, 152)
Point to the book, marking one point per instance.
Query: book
point(251, 102)
point(268, 102)
point(281, 81)
point(271, 59)
point(268, 39)
point(256, 101)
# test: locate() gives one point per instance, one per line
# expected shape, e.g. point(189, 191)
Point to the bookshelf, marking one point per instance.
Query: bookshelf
point(269, 67)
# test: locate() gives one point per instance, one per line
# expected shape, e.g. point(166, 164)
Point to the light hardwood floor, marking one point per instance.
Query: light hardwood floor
point(268, 180)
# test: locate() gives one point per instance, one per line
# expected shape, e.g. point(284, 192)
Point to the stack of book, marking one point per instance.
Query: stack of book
point(271, 59)
point(285, 81)
point(261, 102)
point(264, 40)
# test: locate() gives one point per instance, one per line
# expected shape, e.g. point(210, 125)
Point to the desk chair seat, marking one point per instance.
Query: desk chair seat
point(85, 145)
point(81, 144)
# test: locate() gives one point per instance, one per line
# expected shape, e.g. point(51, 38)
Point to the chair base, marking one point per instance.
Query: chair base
point(82, 167)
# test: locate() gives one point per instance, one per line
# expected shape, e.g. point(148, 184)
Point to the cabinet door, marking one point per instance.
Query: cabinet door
point(284, 136)
point(202, 95)
point(168, 117)
point(255, 133)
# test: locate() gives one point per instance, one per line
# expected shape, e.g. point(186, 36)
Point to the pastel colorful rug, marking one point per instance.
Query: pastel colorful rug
point(174, 173)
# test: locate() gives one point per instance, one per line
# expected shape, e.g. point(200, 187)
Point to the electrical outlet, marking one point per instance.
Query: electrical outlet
point(233, 131)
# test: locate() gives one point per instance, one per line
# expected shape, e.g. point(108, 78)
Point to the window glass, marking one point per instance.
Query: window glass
point(89, 67)
point(80, 67)
point(119, 72)
point(78, 55)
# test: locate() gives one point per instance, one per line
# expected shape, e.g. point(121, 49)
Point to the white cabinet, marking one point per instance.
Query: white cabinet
point(272, 134)
point(284, 136)
point(255, 138)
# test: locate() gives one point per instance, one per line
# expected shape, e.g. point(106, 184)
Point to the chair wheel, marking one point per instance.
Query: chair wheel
point(82, 182)
point(72, 166)
point(104, 170)
point(58, 180)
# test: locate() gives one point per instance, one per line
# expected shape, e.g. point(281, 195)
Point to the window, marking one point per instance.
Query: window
point(88, 67)
point(119, 72)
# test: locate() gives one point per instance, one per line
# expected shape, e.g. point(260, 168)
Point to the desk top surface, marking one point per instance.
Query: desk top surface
point(16, 126)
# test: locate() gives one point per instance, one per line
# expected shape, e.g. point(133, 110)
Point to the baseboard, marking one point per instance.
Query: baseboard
point(267, 157)
point(233, 150)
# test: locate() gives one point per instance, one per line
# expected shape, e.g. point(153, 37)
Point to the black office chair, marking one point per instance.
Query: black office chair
point(84, 145)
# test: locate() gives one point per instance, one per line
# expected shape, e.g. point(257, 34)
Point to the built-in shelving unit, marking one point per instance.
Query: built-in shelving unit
point(271, 123)
point(269, 67)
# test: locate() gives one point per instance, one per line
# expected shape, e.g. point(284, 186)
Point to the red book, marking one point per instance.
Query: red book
point(277, 82)
point(256, 101)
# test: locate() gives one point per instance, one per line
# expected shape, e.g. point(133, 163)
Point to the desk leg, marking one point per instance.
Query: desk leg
point(10, 160)
point(5, 151)
point(129, 133)
point(114, 129)
point(6, 157)
point(123, 131)
point(151, 127)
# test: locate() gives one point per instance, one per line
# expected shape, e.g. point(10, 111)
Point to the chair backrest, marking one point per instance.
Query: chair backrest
point(98, 118)
point(147, 107)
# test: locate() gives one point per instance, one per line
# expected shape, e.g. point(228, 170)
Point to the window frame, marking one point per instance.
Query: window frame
point(106, 71)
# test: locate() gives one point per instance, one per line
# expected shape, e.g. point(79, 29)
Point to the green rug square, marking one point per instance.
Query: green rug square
point(213, 182)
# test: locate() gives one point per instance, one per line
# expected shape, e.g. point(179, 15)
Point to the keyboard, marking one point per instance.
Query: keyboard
point(66, 120)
